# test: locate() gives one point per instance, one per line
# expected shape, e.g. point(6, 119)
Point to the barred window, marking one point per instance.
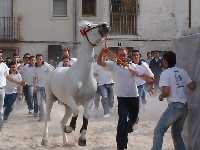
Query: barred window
point(89, 7)
point(59, 8)
point(123, 17)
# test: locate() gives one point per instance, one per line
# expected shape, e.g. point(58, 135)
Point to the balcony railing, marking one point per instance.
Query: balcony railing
point(9, 29)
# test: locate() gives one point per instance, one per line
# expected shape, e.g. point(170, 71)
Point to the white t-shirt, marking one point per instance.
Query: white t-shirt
point(4, 71)
point(141, 69)
point(125, 82)
point(42, 73)
point(177, 79)
point(27, 72)
point(103, 76)
point(72, 61)
point(12, 87)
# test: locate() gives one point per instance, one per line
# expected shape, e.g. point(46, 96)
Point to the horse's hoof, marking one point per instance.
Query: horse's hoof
point(44, 142)
point(68, 129)
point(81, 142)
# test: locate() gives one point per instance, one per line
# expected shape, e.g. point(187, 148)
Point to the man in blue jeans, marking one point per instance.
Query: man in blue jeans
point(11, 90)
point(104, 88)
point(173, 83)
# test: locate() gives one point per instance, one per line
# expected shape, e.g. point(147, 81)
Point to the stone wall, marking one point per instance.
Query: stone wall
point(187, 49)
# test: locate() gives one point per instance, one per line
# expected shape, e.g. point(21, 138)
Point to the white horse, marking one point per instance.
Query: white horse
point(76, 85)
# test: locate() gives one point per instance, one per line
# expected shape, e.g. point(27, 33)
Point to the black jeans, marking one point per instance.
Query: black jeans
point(128, 109)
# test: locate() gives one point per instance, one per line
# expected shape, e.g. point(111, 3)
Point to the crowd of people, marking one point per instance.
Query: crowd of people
point(128, 81)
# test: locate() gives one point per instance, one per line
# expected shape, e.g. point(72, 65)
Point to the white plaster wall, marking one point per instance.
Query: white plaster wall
point(195, 13)
point(37, 23)
point(156, 19)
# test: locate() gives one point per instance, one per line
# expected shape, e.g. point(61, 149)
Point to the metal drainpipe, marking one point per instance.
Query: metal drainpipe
point(190, 13)
point(75, 26)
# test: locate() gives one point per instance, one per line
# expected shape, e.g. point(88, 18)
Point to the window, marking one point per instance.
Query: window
point(59, 8)
point(123, 17)
point(89, 7)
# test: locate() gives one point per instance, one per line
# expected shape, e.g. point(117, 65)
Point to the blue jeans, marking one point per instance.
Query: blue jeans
point(28, 93)
point(41, 101)
point(128, 109)
point(107, 100)
point(8, 104)
point(2, 96)
point(142, 93)
point(173, 116)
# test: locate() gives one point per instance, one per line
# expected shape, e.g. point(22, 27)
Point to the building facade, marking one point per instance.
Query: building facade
point(46, 26)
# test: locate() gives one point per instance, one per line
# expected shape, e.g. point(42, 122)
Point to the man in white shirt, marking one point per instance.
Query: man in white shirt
point(127, 95)
point(28, 74)
point(66, 54)
point(24, 71)
point(142, 68)
point(4, 74)
point(11, 90)
point(173, 83)
point(104, 88)
point(42, 71)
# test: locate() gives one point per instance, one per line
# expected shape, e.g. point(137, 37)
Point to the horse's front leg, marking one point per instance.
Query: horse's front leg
point(49, 105)
point(64, 122)
point(71, 127)
point(82, 138)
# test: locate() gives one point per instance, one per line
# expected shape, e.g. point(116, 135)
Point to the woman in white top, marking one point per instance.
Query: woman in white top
point(11, 90)
point(173, 83)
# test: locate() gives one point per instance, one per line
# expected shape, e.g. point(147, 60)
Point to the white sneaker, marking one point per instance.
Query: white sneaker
point(106, 116)
point(30, 111)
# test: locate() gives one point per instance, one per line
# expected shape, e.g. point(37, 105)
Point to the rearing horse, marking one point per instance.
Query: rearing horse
point(76, 85)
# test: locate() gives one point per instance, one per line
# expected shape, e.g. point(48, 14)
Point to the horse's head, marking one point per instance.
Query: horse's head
point(94, 33)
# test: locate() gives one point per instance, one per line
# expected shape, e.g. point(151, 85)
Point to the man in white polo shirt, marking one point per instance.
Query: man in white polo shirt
point(173, 83)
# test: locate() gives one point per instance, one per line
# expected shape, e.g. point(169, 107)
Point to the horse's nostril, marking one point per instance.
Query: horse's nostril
point(104, 28)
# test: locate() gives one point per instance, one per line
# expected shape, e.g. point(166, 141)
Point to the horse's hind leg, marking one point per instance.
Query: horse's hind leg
point(49, 105)
point(64, 122)
point(82, 138)
point(72, 125)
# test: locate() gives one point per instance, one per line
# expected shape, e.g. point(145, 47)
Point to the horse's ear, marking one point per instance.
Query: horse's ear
point(85, 24)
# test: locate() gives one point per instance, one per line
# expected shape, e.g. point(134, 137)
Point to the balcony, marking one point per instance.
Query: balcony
point(9, 29)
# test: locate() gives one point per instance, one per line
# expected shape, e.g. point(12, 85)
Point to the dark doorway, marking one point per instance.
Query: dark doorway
point(54, 54)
